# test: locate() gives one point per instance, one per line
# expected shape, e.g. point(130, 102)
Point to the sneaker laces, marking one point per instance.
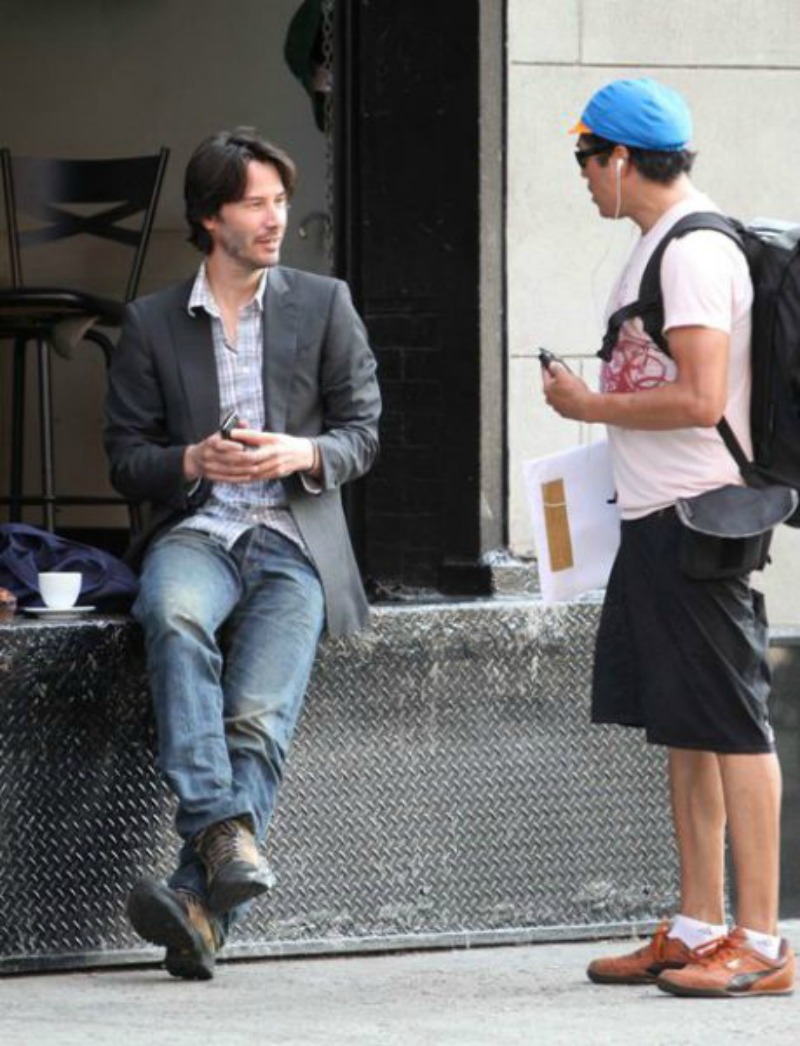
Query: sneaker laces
point(658, 942)
point(717, 950)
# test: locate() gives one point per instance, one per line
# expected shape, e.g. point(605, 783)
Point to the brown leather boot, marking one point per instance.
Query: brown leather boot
point(179, 921)
point(235, 869)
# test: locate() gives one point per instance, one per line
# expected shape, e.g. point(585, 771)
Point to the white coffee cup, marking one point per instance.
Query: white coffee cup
point(60, 589)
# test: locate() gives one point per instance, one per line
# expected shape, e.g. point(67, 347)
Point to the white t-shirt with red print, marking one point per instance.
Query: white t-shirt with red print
point(705, 282)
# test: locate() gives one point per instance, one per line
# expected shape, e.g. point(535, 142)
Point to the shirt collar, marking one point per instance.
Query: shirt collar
point(203, 298)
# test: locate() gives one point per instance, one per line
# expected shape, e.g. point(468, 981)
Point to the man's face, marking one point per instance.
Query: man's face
point(249, 231)
point(601, 177)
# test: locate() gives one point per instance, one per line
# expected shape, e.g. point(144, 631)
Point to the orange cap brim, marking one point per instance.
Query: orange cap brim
point(580, 128)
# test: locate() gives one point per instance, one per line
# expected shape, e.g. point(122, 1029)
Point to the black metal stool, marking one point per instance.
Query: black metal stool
point(61, 199)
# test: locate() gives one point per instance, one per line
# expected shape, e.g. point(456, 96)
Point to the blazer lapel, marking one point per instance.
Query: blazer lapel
point(197, 370)
point(280, 345)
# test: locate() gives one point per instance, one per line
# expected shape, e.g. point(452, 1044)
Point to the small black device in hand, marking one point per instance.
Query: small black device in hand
point(229, 423)
point(548, 358)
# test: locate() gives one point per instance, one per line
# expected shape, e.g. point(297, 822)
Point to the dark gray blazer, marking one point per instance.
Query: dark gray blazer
point(319, 380)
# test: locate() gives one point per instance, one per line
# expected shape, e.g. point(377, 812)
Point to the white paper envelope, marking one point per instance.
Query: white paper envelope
point(575, 519)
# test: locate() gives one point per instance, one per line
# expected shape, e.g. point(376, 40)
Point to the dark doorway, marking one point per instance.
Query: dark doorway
point(407, 215)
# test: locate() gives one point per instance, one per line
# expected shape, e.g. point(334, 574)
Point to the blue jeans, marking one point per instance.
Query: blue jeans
point(230, 638)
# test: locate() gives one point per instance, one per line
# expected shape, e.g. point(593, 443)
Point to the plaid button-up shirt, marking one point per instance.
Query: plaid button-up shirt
point(233, 508)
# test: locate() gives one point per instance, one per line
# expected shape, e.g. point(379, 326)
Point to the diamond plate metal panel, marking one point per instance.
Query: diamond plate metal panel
point(444, 786)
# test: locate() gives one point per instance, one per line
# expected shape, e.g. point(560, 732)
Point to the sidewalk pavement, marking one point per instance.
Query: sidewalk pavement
point(532, 994)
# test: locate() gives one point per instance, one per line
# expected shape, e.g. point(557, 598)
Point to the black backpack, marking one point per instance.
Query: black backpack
point(772, 250)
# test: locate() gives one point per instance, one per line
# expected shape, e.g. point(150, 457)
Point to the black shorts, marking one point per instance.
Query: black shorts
point(686, 660)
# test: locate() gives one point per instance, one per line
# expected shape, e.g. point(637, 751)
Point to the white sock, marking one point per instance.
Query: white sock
point(764, 943)
point(693, 932)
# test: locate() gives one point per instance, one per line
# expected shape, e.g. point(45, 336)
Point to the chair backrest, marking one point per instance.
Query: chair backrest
point(44, 189)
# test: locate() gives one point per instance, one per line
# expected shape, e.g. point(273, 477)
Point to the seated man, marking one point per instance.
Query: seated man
point(246, 555)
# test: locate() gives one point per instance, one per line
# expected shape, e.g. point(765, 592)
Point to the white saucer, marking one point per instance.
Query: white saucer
point(65, 612)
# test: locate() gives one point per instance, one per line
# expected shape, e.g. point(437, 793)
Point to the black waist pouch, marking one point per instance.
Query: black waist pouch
point(727, 532)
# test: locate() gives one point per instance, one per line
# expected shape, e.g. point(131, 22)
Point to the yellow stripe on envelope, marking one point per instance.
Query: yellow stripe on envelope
point(556, 523)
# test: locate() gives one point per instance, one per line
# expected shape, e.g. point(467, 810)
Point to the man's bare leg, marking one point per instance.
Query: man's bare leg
point(698, 813)
point(752, 790)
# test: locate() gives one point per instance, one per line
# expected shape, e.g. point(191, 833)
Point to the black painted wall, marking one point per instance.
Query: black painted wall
point(407, 240)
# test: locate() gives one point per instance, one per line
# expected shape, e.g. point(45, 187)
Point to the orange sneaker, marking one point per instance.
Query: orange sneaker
point(729, 968)
point(645, 964)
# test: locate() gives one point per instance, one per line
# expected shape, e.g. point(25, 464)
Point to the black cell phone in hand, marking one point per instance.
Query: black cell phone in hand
point(548, 358)
point(228, 424)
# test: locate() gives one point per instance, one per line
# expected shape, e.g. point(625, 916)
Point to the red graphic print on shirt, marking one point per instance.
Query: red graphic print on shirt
point(636, 363)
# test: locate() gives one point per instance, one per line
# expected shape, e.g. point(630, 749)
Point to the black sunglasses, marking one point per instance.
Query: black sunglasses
point(582, 155)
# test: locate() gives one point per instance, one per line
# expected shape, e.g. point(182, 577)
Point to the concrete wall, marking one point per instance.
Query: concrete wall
point(92, 78)
point(738, 63)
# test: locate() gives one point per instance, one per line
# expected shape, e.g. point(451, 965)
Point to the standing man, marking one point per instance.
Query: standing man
point(684, 659)
point(246, 555)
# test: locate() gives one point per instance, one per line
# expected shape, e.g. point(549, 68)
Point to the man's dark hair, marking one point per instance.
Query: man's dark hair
point(656, 164)
point(217, 174)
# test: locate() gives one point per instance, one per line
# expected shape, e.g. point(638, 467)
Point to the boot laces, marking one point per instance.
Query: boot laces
point(200, 917)
point(224, 842)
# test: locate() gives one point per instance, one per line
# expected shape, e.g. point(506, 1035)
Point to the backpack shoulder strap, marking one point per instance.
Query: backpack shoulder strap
point(650, 304)
point(735, 449)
